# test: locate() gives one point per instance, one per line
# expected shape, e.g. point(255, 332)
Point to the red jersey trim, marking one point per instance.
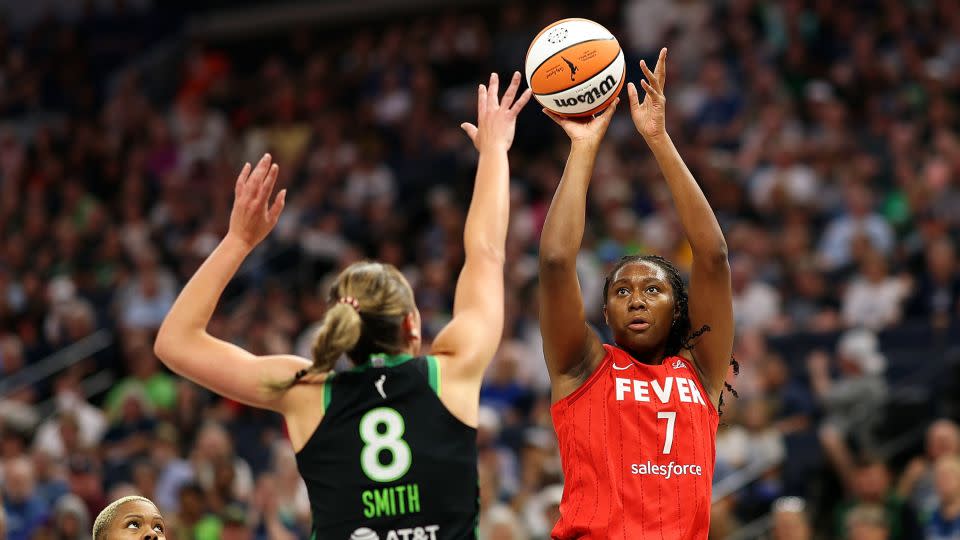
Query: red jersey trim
point(572, 396)
point(696, 379)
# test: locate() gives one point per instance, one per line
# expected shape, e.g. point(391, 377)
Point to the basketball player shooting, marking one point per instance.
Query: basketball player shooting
point(636, 419)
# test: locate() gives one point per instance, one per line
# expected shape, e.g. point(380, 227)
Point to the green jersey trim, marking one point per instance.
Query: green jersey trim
point(327, 392)
point(433, 370)
point(383, 360)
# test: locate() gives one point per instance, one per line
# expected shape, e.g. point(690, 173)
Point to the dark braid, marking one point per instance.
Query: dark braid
point(680, 336)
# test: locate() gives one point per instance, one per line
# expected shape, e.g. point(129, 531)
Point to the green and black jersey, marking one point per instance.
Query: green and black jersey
point(389, 461)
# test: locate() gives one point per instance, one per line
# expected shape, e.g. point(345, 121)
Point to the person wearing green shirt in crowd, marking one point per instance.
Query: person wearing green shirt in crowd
point(145, 372)
point(193, 521)
point(871, 485)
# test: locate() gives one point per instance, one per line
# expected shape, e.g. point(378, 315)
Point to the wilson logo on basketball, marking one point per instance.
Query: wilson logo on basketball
point(590, 95)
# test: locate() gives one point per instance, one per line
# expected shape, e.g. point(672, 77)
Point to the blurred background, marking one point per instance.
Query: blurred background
point(824, 133)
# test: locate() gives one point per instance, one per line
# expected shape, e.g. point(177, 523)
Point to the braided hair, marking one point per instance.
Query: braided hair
point(680, 337)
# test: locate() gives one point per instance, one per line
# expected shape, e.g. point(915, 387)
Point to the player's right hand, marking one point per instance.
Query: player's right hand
point(253, 217)
point(587, 130)
point(496, 119)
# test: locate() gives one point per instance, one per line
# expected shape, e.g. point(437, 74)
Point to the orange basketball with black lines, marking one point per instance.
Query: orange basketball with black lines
point(575, 67)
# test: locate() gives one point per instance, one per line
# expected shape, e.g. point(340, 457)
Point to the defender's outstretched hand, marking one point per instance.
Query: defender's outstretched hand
point(649, 115)
point(253, 217)
point(496, 118)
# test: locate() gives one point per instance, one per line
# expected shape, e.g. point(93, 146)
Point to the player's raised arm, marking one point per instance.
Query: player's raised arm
point(471, 338)
point(571, 348)
point(183, 343)
point(711, 298)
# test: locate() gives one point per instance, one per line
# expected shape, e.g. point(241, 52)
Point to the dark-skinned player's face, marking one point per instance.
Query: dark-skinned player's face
point(137, 520)
point(640, 307)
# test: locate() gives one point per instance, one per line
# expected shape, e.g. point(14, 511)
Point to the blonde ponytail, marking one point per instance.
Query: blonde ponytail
point(338, 334)
point(360, 330)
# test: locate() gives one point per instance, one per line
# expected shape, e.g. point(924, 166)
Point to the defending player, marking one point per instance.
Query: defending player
point(387, 449)
point(636, 419)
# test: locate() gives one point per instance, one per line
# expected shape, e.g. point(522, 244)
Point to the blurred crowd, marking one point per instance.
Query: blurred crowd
point(824, 133)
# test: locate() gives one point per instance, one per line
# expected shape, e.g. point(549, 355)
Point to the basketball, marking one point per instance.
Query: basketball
point(575, 67)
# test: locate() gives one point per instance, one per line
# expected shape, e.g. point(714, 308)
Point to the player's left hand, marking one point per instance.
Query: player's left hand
point(253, 217)
point(649, 115)
point(496, 118)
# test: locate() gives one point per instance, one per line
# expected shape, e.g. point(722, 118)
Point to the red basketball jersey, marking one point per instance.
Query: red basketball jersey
point(637, 444)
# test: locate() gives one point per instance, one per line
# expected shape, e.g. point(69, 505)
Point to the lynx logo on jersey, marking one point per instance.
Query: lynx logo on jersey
point(410, 533)
point(687, 391)
point(379, 385)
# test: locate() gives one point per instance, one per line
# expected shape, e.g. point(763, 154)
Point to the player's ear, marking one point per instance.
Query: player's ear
point(411, 328)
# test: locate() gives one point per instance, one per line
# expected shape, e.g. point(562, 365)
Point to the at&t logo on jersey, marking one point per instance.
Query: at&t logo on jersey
point(410, 533)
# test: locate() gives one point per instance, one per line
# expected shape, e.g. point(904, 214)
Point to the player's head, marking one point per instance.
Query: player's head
point(645, 305)
point(132, 517)
point(371, 311)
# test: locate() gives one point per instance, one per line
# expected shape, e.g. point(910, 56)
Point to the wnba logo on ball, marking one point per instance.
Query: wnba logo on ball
point(591, 95)
point(411, 533)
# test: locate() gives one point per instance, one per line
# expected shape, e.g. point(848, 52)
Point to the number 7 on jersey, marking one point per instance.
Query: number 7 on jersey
point(671, 418)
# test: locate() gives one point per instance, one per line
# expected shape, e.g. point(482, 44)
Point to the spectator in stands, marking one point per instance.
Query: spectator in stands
point(129, 435)
point(917, 481)
point(542, 512)
point(194, 519)
point(944, 524)
point(867, 522)
point(213, 450)
point(71, 519)
point(936, 294)
point(811, 304)
point(853, 398)
point(148, 297)
point(293, 502)
point(873, 298)
point(76, 426)
point(25, 510)
point(236, 526)
point(145, 373)
point(50, 481)
point(505, 387)
point(11, 353)
point(790, 520)
point(756, 305)
point(172, 471)
point(86, 481)
point(501, 523)
point(869, 483)
point(271, 520)
point(858, 219)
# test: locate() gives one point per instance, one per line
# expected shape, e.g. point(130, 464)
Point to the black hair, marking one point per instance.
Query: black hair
point(680, 336)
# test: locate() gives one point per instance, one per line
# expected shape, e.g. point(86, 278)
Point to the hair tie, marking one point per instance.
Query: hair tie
point(351, 301)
